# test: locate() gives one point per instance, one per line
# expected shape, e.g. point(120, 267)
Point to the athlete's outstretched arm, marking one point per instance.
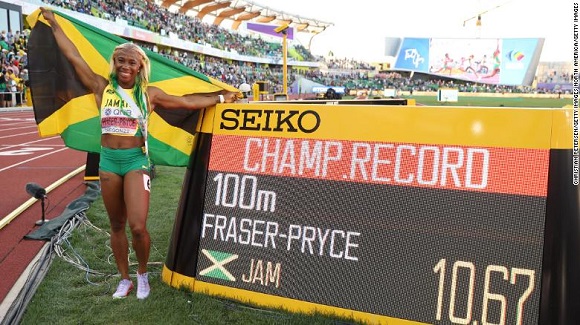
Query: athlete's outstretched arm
point(90, 79)
point(195, 101)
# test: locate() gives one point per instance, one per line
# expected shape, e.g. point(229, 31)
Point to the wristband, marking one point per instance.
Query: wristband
point(221, 98)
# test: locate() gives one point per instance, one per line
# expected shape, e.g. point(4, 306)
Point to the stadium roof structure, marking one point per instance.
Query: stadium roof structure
point(239, 11)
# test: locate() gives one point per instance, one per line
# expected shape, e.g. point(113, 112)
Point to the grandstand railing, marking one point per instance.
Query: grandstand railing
point(14, 101)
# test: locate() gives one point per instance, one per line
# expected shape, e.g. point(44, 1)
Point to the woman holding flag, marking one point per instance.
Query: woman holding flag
point(125, 100)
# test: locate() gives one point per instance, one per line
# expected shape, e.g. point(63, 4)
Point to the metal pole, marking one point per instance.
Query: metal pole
point(43, 220)
point(285, 59)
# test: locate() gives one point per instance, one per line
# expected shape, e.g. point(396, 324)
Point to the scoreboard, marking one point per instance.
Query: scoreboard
point(399, 215)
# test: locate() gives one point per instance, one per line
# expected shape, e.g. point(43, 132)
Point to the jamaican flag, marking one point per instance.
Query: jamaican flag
point(63, 106)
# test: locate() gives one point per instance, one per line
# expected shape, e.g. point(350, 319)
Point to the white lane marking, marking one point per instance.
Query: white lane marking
point(25, 151)
point(18, 119)
point(30, 142)
point(31, 159)
point(17, 135)
point(17, 127)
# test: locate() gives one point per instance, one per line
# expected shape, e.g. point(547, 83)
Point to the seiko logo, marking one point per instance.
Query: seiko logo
point(270, 120)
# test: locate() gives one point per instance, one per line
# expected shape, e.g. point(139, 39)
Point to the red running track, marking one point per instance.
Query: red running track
point(26, 157)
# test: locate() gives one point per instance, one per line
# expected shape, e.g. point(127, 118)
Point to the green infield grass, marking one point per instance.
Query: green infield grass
point(494, 101)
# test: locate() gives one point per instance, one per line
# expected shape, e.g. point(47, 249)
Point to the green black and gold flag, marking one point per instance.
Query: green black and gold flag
point(63, 106)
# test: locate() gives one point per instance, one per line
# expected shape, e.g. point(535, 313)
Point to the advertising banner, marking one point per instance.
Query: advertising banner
point(510, 61)
point(269, 30)
point(414, 55)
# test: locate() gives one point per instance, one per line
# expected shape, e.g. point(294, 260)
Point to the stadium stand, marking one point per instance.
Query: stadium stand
point(330, 70)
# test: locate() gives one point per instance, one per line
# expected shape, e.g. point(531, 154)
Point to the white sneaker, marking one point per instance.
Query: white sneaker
point(142, 286)
point(123, 290)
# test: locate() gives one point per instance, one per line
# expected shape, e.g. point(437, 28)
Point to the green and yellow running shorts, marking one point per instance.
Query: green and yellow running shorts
point(122, 161)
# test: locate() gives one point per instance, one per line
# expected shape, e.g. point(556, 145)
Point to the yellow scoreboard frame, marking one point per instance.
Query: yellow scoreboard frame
point(491, 194)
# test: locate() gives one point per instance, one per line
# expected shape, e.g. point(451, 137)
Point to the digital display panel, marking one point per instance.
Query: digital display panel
point(509, 61)
point(342, 207)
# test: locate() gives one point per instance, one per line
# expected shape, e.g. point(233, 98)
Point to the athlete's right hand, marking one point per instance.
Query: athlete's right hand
point(47, 14)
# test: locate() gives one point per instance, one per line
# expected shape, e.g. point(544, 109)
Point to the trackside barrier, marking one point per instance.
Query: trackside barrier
point(20, 94)
point(384, 214)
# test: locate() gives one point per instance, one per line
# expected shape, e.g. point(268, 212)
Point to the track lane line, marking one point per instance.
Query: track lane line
point(17, 135)
point(12, 215)
point(31, 142)
point(15, 127)
point(31, 159)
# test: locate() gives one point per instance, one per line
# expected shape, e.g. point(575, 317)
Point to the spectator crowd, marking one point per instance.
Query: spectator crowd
point(14, 73)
